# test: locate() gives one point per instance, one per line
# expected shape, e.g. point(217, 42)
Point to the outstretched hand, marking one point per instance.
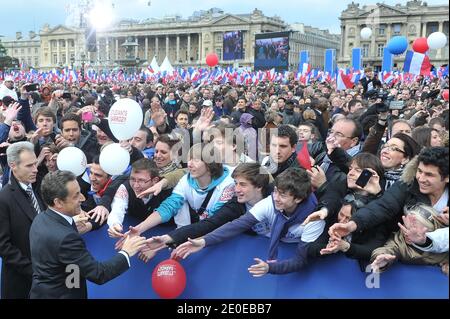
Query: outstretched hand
point(259, 269)
point(318, 215)
point(412, 230)
point(339, 230)
point(187, 248)
point(204, 121)
point(146, 254)
point(11, 113)
point(133, 232)
point(157, 242)
point(99, 214)
point(382, 261)
point(154, 190)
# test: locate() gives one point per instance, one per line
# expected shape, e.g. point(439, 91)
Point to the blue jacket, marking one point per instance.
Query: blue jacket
point(170, 207)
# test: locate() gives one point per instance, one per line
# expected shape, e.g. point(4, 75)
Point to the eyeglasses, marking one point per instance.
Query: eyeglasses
point(139, 181)
point(392, 148)
point(338, 134)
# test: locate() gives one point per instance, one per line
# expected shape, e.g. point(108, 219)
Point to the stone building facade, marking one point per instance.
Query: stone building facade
point(413, 20)
point(185, 42)
point(27, 50)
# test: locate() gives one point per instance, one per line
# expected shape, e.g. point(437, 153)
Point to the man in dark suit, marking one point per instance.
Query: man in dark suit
point(19, 205)
point(370, 82)
point(61, 261)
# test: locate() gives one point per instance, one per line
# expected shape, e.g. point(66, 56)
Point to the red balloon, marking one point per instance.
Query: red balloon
point(420, 45)
point(169, 279)
point(445, 95)
point(212, 59)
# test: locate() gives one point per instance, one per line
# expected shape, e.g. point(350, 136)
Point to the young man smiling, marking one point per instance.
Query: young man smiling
point(279, 217)
point(425, 180)
point(251, 186)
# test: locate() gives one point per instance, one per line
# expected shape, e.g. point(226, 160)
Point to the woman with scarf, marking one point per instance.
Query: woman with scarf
point(199, 194)
point(279, 217)
point(395, 154)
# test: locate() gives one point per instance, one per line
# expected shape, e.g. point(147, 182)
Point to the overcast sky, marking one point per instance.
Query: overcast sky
point(27, 15)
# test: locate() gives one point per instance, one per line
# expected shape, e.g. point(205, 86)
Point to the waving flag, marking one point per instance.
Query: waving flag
point(387, 77)
point(417, 63)
point(303, 157)
point(306, 68)
point(344, 81)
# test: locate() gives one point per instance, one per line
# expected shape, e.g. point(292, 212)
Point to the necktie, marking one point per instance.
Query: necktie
point(33, 199)
point(74, 226)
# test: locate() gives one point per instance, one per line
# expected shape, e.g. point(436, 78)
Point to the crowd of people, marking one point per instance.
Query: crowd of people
point(331, 171)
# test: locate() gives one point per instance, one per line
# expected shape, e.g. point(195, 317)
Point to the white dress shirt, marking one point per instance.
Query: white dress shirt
point(71, 221)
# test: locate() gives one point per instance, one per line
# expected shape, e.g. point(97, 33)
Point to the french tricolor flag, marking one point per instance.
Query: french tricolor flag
point(306, 68)
point(344, 81)
point(417, 63)
point(388, 77)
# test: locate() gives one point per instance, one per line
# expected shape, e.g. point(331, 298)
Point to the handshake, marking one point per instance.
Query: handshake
point(131, 242)
point(148, 248)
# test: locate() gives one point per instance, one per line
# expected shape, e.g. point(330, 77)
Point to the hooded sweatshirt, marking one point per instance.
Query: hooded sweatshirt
point(188, 191)
point(266, 220)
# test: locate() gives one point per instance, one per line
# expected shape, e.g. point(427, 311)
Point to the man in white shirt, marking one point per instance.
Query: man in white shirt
point(7, 89)
point(144, 174)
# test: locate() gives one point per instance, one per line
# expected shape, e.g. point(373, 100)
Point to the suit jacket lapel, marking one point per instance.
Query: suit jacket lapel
point(22, 199)
point(59, 219)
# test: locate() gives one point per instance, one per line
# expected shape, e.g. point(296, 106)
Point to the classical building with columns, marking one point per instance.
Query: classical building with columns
point(314, 40)
point(27, 50)
point(184, 41)
point(62, 46)
point(413, 20)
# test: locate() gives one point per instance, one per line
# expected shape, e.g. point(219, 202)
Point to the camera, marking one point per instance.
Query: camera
point(396, 105)
point(364, 178)
point(385, 98)
point(87, 116)
point(32, 87)
point(382, 107)
point(377, 94)
point(67, 95)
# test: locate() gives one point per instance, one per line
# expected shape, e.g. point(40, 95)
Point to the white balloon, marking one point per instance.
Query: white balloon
point(72, 159)
point(114, 159)
point(437, 40)
point(125, 118)
point(366, 33)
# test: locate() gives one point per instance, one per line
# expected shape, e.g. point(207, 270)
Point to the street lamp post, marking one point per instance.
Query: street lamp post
point(138, 61)
point(83, 57)
point(72, 61)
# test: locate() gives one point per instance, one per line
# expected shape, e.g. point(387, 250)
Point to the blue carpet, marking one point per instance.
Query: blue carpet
point(221, 272)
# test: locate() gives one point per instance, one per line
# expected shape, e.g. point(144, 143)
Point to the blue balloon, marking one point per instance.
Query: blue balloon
point(397, 45)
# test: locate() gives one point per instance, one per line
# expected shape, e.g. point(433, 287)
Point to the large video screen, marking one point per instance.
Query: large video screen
point(232, 45)
point(272, 51)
